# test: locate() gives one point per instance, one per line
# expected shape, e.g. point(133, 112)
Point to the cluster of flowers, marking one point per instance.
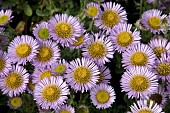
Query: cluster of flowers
point(147, 65)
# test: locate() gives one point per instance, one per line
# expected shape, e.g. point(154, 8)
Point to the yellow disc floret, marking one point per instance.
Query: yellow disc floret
point(43, 33)
point(163, 68)
point(15, 102)
point(23, 50)
point(4, 19)
point(110, 18)
point(97, 50)
point(82, 75)
point(92, 11)
point(139, 83)
point(124, 38)
point(102, 96)
point(13, 80)
point(51, 93)
point(64, 29)
point(154, 22)
point(44, 54)
point(139, 59)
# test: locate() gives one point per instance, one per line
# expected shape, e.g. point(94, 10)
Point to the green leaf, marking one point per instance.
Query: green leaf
point(27, 9)
point(42, 13)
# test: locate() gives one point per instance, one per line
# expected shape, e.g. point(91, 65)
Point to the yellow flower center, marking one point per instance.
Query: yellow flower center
point(156, 98)
point(65, 111)
point(159, 50)
point(110, 18)
point(79, 40)
point(92, 11)
point(102, 96)
point(139, 83)
point(97, 50)
point(45, 74)
point(163, 68)
point(139, 59)
point(15, 102)
point(145, 111)
point(60, 69)
point(13, 80)
point(23, 50)
point(43, 33)
point(154, 22)
point(45, 54)
point(124, 39)
point(2, 66)
point(101, 78)
point(82, 75)
point(31, 85)
point(4, 19)
point(51, 93)
point(64, 29)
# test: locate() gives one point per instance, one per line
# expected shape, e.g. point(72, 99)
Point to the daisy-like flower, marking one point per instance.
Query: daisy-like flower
point(15, 102)
point(162, 67)
point(41, 31)
point(60, 67)
point(22, 49)
point(104, 76)
point(112, 15)
point(138, 55)
point(64, 28)
point(102, 96)
point(5, 66)
point(80, 41)
point(139, 82)
point(5, 17)
point(122, 36)
point(48, 53)
point(159, 97)
point(159, 46)
point(99, 48)
point(145, 106)
point(152, 20)
point(15, 82)
point(92, 10)
point(51, 93)
point(41, 73)
point(65, 109)
point(82, 74)
point(151, 1)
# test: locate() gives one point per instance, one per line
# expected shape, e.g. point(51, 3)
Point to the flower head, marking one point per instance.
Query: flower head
point(138, 55)
point(48, 53)
point(112, 15)
point(122, 36)
point(99, 48)
point(22, 49)
point(152, 20)
point(51, 92)
point(64, 28)
point(5, 17)
point(102, 96)
point(92, 10)
point(82, 74)
point(41, 31)
point(139, 82)
point(15, 82)
point(14, 102)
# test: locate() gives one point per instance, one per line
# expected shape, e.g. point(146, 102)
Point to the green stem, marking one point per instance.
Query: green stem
point(78, 53)
point(141, 3)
